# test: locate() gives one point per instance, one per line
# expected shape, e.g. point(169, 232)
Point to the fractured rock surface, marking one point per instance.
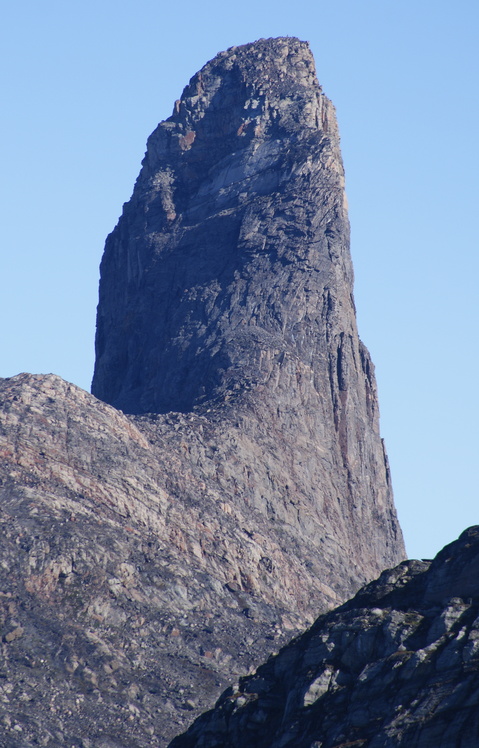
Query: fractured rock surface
point(132, 587)
point(151, 554)
point(397, 666)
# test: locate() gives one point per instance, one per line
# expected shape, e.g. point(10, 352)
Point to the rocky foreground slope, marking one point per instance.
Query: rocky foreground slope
point(150, 556)
point(397, 666)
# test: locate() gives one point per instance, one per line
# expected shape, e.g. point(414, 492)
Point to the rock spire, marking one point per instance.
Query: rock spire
point(227, 283)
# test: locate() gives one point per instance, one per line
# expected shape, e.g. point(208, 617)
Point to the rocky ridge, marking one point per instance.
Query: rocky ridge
point(397, 666)
point(132, 587)
point(149, 556)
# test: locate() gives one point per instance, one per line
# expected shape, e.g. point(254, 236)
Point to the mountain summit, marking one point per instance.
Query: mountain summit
point(233, 484)
point(230, 264)
point(227, 285)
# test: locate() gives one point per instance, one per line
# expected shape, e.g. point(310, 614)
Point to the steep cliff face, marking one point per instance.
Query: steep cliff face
point(148, 557)
point(234, 247)
point(397, 666)
point(228, 282)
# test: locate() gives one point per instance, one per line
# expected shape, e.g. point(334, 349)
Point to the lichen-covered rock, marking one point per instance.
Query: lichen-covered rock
point(396, 667)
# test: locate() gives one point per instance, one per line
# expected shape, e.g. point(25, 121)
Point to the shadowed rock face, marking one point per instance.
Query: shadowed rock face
point(230, 265)
point(396, 667)
point(151, 555)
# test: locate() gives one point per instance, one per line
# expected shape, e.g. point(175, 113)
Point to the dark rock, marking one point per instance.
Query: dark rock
point(397, 666)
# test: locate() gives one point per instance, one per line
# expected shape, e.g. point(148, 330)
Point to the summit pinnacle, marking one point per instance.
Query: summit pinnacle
point(227, 284)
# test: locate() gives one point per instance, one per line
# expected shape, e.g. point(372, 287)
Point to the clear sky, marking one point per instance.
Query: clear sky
point(83, 85)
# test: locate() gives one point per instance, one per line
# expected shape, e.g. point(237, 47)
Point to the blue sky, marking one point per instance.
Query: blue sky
point(84, 83)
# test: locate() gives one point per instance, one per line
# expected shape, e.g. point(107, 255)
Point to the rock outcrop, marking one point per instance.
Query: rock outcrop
point(397, 666)
point(121, 617)
point(150, 556)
